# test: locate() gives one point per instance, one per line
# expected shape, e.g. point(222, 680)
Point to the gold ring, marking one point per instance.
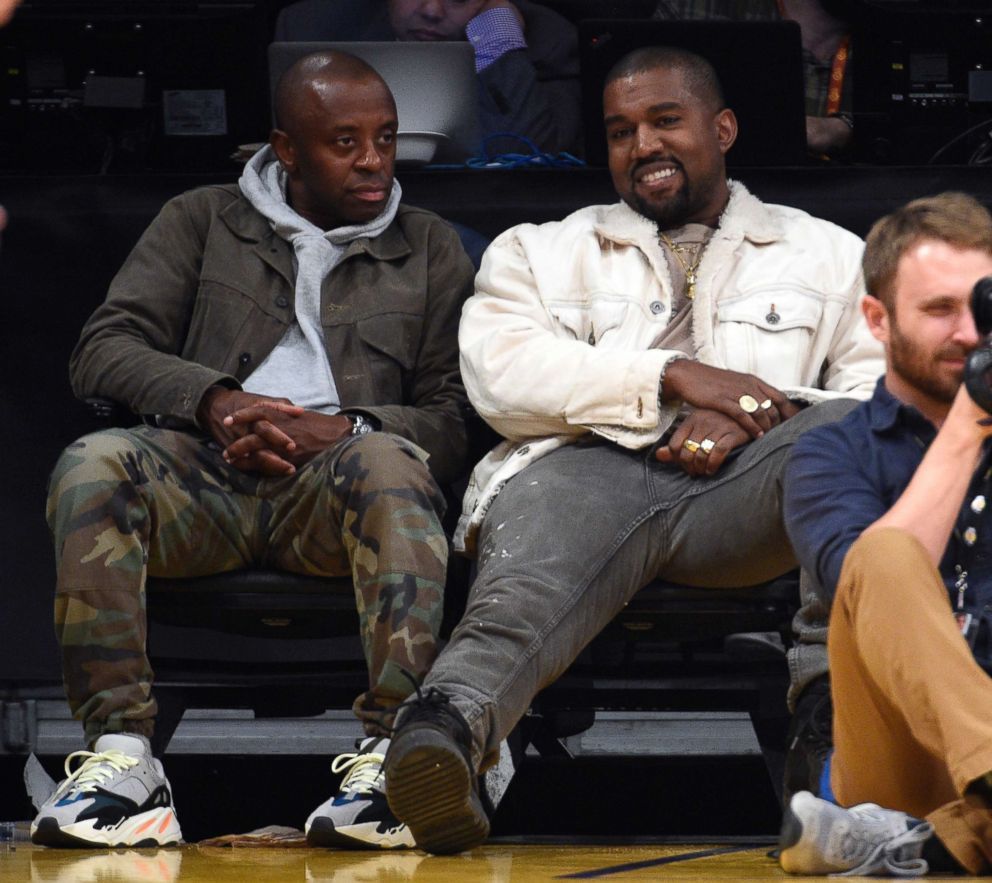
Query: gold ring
point(748, 403)
point(765, 405)
point(707, 445)
point(690, 445)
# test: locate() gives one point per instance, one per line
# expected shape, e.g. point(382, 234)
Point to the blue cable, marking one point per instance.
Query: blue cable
point(536, 157)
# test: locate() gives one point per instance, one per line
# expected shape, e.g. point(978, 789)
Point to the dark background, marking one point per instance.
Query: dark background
point(81, 182)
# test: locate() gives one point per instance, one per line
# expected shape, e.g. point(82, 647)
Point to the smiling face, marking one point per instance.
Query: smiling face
point(339, 150)
point(667, 146)
point(929, 330)
point(426, 20)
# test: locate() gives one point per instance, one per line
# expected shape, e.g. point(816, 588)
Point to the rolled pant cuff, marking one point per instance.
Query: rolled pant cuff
point(964, 826)
point(94, 729)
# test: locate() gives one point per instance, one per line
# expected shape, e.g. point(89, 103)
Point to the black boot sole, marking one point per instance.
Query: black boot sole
point(430, 786)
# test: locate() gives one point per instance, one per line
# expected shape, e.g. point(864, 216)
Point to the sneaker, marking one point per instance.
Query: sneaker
point(117, 796)
point(358, 816)
point(822, 838)
point(430, 781)
point(810, 742)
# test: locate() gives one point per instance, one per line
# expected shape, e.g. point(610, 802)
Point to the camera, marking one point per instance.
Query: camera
point(978, 368)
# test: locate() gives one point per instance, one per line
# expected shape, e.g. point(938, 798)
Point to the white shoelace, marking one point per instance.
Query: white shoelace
point(883, 857)
point(96, 768)
point(365, 773)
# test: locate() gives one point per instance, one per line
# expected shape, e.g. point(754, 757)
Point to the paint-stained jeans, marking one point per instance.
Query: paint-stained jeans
point(126, 504)
point(573, 536)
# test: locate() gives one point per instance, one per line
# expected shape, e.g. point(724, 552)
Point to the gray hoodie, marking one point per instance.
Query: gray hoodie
point(298, 368)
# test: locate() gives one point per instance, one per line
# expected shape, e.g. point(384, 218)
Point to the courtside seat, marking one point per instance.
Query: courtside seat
point(257, 603)
point(269, 603)
point(282, 609)
point(664, 611)
point(680, 648)
point(672, 647)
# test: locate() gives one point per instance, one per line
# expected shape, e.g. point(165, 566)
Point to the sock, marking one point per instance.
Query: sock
point(129, 743)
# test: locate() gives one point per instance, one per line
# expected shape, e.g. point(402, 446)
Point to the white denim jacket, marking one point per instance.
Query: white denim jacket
point(560, 338)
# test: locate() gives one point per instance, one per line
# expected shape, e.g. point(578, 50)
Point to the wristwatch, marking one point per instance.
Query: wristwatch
point(360, 425)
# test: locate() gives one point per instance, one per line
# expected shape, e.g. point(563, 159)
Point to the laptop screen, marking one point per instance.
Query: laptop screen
point(434, 85)
point(759, 65)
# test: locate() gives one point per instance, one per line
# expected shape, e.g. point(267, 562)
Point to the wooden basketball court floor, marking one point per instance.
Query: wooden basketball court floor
point(493, 863)
point(496, 862)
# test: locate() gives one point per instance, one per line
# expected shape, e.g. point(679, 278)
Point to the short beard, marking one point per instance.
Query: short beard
point(668, 215)
point(906, 360)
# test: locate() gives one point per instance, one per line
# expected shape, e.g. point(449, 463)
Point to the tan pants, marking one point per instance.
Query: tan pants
point(912, 709)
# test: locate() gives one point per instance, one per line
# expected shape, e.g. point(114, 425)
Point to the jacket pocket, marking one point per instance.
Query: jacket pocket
point(593, 319)
point(391, 342)
point(219, 317)
point(771, 332)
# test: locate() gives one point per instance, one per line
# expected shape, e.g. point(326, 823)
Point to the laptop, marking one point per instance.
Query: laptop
point(434, 85)
point(759, 65)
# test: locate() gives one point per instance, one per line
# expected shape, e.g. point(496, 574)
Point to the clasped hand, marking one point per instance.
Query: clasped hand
point(267, 436)
point(719, 421)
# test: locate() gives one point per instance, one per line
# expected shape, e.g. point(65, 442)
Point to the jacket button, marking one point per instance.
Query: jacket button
point(244, 358)
point(773, 318)
point(282, 301)
point(657, 307)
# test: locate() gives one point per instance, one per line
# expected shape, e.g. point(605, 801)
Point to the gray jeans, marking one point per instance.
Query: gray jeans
point(570, 539)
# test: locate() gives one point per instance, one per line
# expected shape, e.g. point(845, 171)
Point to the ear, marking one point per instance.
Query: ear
point(726, 129)
point(282, 144)
point(877, 316)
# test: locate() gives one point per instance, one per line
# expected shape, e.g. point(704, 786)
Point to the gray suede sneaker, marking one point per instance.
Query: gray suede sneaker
point(430, 782)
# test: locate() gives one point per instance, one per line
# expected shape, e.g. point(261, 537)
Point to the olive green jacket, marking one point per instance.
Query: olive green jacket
point(208, 292)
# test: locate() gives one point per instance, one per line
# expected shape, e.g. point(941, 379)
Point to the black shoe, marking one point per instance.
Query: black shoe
point(810, 740)
point(430, 782)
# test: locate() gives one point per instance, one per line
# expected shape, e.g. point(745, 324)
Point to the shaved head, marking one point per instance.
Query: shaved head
point(335, 138)
point(317, 76)
point(698, 74)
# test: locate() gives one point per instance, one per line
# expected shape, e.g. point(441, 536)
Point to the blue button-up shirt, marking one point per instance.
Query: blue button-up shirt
point(844, 476)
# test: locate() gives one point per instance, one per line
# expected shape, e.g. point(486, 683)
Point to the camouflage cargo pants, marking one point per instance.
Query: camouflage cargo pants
point(124, 504)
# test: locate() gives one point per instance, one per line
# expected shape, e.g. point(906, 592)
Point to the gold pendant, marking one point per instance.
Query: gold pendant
point(690, 291)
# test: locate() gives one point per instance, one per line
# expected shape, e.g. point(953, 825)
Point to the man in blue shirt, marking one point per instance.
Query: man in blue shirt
point(887, 511)
point(526, 56)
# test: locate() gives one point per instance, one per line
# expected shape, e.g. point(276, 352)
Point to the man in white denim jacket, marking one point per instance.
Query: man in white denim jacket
point(650, 364)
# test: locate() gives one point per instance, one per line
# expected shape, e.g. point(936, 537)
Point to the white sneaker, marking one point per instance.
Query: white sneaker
point(117, 796)
point(358, 816)
point(819, 838)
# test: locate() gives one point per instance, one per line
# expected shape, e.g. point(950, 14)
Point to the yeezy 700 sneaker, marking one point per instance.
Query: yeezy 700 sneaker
point(358, 816)
point(118, 795)
point(820, 838)
point(430, 780)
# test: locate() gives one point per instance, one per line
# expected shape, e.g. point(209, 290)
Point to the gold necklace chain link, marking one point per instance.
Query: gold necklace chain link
point(688, 269)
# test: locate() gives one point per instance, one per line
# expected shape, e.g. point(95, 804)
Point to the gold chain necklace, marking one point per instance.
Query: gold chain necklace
point(688, 269)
